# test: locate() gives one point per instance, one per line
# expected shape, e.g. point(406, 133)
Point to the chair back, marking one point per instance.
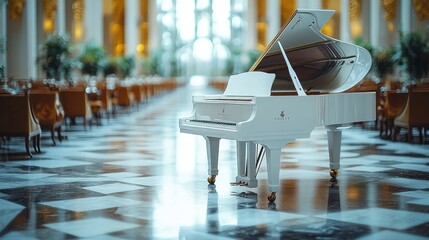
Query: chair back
point(47, 107)
point(17, 118)
point(75, 102)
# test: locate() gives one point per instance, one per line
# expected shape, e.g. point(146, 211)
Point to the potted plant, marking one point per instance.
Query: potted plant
point(52, 55)
point(383, 62)
point(148, 66)
point(90, 58)
point(413, 55)
point(126, 65)
point(109, 66)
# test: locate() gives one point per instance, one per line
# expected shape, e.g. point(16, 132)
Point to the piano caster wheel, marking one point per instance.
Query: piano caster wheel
point(334, 173)
point(211, 179)
point(271, 197)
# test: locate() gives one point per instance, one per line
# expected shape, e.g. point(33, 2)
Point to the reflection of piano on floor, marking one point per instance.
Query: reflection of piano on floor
point(259, 107)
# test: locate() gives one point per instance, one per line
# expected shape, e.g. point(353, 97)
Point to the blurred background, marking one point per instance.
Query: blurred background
point(185, 38)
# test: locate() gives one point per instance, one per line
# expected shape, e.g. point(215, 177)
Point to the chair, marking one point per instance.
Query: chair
point(76, 104)
point(48, 110)
point(107, 101)
point(137, 90)
point(18, 120)
point(125, 96)
point(393, 104)
point(414, 115)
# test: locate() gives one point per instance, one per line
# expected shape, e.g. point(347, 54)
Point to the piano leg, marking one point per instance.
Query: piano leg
point(273, 150)
point(241, 160)
point(246, 163)
point(334, 144)
point(212, 145)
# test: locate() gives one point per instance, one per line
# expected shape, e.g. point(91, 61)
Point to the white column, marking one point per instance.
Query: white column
point(132, 8)
point(273, 19)
point(374, 26)
point(405, 16)
point(345, 21)
point(32, 36)
point(250, 30)
point(61, 17)
point(309, 4)
point(94, 21)
point(154, 37)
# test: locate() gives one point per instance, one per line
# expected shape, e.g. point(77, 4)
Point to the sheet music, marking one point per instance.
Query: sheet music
point(292, 73)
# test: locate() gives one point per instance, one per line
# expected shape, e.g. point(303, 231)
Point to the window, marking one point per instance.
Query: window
point(200, 37)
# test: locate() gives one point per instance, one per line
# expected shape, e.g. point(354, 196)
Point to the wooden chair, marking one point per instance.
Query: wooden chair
point(76, 104)
point(393, 104)
point(107, 101)
point(137, 91)
point(125, 96)
point(414, 115)
point(48, 110)
point(18, 120)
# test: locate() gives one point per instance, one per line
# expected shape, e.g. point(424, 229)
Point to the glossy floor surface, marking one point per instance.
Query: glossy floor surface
point(138, 177)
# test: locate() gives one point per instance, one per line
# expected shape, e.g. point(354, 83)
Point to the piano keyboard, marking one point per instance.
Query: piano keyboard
point(214, 122)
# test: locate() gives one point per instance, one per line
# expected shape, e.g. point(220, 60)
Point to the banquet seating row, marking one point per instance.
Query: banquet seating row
point(405, 109)
point(52, 105)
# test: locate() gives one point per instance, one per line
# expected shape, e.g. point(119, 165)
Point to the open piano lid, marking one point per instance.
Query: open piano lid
point(322, 64)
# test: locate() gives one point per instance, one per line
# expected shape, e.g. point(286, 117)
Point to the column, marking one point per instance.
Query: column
point(61, 17)
point(405, 16)
point(32, 36)
point(94, 21)
point(273, 19)
point(131, 26)
point(22, 43)
point(345, 21)
point(374, 26)
point(309, 4)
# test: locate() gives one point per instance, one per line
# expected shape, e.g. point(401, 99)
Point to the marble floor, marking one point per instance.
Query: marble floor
point(137, 177)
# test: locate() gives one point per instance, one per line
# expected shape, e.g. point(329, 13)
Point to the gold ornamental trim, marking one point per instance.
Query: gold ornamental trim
point(15, 9)
point(355, 7)
point(389, 9)
point(78, 7)
point(50, 7)
point(422, 9)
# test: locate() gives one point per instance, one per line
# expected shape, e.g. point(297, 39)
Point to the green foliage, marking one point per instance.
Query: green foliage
point(52, 55)
point(68, 65)
point(126, 65)
point(90, 57)
point(413, 55)
point(383, 62)
point(109, 66)
point(149, 66)
point(2, 73)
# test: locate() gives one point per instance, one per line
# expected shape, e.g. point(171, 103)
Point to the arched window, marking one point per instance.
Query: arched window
point(200, 37)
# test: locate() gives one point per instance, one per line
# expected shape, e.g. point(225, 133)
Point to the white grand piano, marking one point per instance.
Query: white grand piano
point(297, 84)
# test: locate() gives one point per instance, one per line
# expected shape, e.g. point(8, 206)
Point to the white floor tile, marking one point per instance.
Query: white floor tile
point(91, 227)
point(251, 217)
point(91, 203)
point(387, 218)
point(113, 188)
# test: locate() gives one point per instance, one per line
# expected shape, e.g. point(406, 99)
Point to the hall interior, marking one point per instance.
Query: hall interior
point(91, 147)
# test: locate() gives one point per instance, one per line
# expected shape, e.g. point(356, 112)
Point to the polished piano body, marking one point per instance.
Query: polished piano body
point(262, 108)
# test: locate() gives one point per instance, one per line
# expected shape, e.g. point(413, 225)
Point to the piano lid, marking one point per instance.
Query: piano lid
point(321, 63)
